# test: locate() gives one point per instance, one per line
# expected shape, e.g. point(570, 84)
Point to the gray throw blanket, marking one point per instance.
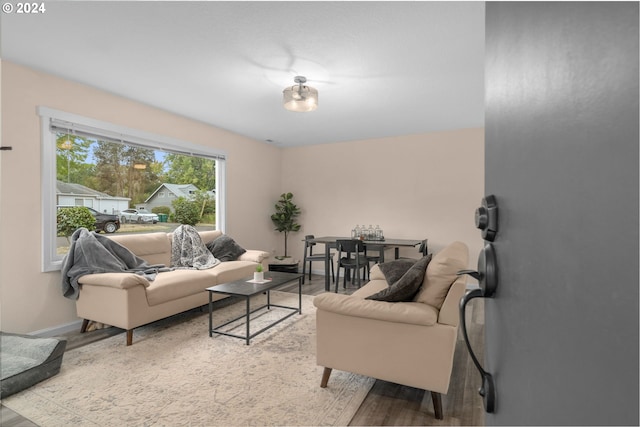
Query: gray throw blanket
point(92, 253)
point(188, 251)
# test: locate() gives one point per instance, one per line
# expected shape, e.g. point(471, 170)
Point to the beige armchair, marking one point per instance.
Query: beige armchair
point(410, 343)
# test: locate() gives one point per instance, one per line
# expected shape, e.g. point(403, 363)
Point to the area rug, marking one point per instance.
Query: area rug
point(174, 374)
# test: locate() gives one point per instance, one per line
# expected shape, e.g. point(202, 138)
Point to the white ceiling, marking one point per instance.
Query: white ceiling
point(381, 68)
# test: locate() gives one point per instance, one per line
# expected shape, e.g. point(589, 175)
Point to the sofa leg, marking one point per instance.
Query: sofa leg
point(437, 405)
point(129, 336)
point(325, 377)
point(85, 325)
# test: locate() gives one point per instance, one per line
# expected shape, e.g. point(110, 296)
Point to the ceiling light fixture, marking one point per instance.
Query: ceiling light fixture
point(300, 98)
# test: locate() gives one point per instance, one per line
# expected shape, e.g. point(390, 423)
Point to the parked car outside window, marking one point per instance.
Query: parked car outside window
point(104, 222)
point(138, 215)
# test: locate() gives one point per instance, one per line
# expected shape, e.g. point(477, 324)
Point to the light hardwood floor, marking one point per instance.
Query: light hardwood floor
point(387, 404)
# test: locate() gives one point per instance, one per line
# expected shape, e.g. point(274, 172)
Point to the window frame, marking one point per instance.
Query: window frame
point(50, 260)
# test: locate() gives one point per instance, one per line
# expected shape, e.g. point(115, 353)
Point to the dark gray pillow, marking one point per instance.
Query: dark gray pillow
point(405, 288)
point(225, 248)
point(394, 270)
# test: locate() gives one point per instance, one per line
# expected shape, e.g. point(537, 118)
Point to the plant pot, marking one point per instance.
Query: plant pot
point(258, 276)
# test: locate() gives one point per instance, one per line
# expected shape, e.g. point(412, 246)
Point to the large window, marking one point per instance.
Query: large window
point(122, 174)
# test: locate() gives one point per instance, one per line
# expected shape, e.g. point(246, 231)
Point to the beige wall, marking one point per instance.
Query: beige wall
point(31, 300)
point(414, 187)
point(422, 186)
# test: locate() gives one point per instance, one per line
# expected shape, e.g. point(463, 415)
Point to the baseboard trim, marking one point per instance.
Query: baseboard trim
point(58, 330)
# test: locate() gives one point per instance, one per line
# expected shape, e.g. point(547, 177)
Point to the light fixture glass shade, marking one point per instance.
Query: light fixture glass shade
point(300, 98)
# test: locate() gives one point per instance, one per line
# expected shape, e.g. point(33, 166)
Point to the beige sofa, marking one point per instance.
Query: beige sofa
point(128, 300)
point(410, 343)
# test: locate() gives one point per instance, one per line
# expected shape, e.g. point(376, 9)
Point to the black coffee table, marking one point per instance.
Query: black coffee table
point(245, 289)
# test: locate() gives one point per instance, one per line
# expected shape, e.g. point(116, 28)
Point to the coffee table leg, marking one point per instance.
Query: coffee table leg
point(299, 295)
point(248, 315)
point(327, 260)
point(210, 314)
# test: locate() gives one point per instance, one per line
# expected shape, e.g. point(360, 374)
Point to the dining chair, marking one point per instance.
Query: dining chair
point(423, 249)
point(353, 259)
point(375, 259)
point(309, 257)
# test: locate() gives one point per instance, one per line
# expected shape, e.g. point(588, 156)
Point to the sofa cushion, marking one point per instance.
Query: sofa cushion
point(225, 248)
point(176, 284)
point(155, 248)
point(441, 273)
point(405, 288)
point(348, 305)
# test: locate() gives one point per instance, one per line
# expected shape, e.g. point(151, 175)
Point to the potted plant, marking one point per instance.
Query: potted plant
point(258, 275)
point(285, 218)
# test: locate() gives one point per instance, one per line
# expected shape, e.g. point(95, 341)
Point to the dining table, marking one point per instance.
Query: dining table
point(330, 242)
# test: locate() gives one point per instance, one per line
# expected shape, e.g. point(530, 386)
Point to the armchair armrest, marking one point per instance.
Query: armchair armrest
point(114, 280)
point(254, 255)
point(415, 313)
point(450, 310)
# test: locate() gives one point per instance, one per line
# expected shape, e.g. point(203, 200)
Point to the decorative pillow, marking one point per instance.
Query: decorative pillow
point(405, 288)
point(394, 270)
point(225, 248)
point(441, 273)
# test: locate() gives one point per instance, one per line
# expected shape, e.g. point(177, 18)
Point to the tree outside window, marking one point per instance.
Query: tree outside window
point(131, 172)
